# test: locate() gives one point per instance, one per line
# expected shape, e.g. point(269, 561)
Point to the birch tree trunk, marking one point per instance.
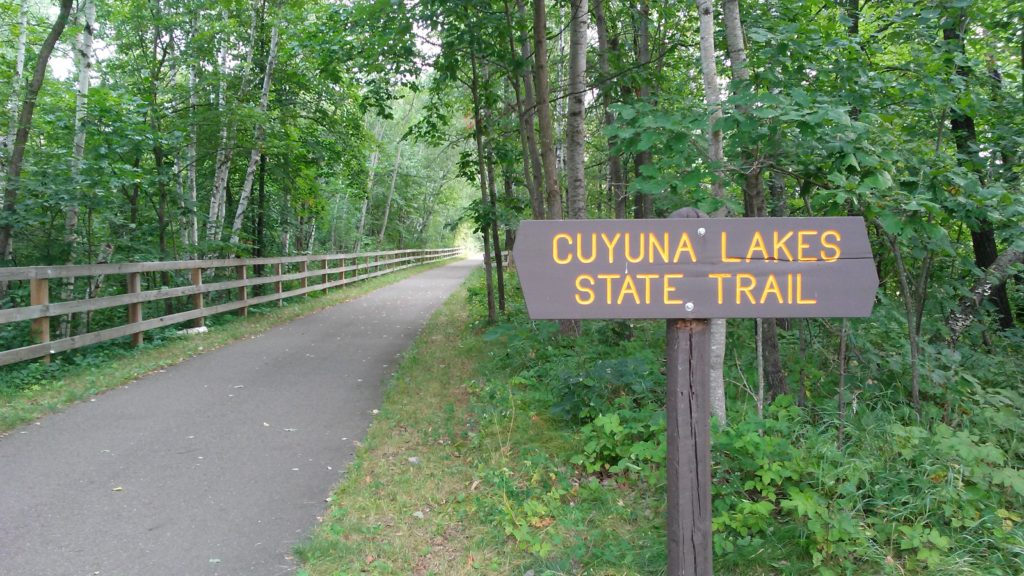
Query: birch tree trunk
point(95, 285)
point(258, 138)
point(192, 220)
point(753, 192)
point(558, 103)
point(644, 206)
point(225, 151)
point(374, 159)
point(12, 101)
point(180, 185)
point(547, 142)
point(14, 163)
point(713, 98)
point(574, 126)
point(223, 159)
point(83, 58)
point(391, 191)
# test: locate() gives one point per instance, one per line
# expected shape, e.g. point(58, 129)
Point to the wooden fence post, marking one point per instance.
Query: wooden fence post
point(341, 275)
point(39, 295)
point(326, 279)
point(197, 298)
point(304, 268)
point(135, 310)
point(278, 287)
point(243, 293)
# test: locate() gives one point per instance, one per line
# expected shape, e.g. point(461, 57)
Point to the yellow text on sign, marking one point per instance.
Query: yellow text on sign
point(666, 248)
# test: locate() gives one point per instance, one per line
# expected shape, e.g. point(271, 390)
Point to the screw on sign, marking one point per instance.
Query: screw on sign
point(687, 269)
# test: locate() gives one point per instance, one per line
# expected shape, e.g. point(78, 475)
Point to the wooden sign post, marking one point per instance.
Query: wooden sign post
point(687, 270)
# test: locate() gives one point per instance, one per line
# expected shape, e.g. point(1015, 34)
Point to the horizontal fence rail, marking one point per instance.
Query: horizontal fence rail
point(301, 274)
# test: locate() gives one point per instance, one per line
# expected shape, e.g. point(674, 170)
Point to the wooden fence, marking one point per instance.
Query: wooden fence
point(309, 273)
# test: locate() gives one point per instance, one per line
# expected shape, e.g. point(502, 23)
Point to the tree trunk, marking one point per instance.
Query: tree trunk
point(15, 162)
point(394, 171)
point(753, 191)
point(261, 221)
point(510, 193)
point(734, 40)
point(391, 192)
point(478, 136)
point(225, 152)
point(531, 161)
point(258, 138)
point(191, 158)
point(996, 274)
point(160, 54)
point(575, 128)
point(558, 101)
point(965, 135)
point(374, 159)
point(712, 96)
point(547, 138)
point(7, 143)
point(83, 59)
point(495, 235)
point(222, 165)
point(912, 338)
point(616, 185)
point(533, 175)
point(95, 285)
point(362, 221)
point(644, 206)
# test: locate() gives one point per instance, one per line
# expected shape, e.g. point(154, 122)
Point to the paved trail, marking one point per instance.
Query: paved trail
point(216, 466)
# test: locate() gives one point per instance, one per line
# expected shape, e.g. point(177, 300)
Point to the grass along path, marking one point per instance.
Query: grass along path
point(30, 391)
point(397, 511)
point(459, 476)
point(467, 468)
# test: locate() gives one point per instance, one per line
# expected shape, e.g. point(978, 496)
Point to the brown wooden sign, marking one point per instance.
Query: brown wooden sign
point(696, 268)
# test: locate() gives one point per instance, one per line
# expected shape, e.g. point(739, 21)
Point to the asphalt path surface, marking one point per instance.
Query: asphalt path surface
point(219, 465)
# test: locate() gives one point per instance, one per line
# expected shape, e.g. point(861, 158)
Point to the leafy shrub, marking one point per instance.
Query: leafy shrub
point(937, 496)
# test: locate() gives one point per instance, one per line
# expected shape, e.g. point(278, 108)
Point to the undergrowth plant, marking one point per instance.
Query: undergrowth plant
point(943, 494)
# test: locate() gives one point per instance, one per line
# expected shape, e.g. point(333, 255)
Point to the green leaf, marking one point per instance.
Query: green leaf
point(647, 140)
point(891, 223)
point(876, 181)
point(1013, 479)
